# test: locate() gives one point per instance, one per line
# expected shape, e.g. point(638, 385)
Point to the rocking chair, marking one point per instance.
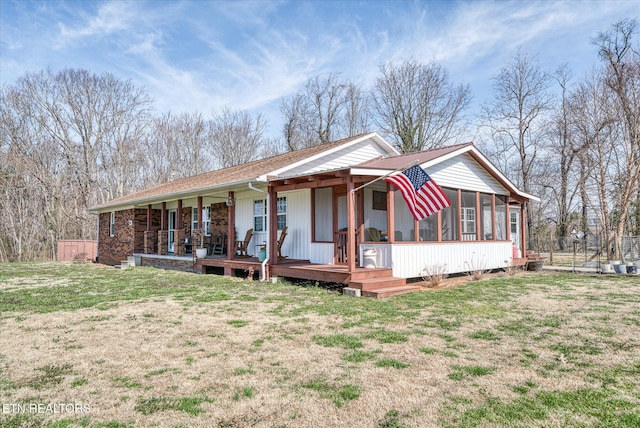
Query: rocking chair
point(283, 235)
point(241, 246)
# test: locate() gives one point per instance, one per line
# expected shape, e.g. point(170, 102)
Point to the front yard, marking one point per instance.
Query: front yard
point(87, 345)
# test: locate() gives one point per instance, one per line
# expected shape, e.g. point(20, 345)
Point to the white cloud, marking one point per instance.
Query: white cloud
point(112, 17)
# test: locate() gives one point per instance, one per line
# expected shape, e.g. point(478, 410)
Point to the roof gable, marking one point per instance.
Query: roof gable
point(431, 158)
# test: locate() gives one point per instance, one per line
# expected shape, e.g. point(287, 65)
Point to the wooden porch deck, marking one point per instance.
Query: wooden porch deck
point(376, 282)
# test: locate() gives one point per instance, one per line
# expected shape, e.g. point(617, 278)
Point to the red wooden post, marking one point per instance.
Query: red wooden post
point(391, 233)
point(351, 231)
point(199, 212)
point(231, 226)
point(494, 217)
point(478, 224)
point(508, 209)
point(523, 229)
point(273, 226)
point(163, 217)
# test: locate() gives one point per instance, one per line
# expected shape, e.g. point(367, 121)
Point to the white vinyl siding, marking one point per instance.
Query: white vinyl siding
point(323, 214)
point(409, 259)
point(347, 156)
point(463, 172)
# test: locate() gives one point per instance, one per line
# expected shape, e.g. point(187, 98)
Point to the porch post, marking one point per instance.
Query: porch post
point(360, 218)
point(163, 233)
point(494, 217)
point(479, 229)
point(351, 231)
point(508, 225)
point(150, 239)
point(391, 233)
point(523, 230)
point(163, 217)
point(459, 215)
point(231, 234)
point(273, 226)
point(179, 215)
point(199, 212)
point(178, 246)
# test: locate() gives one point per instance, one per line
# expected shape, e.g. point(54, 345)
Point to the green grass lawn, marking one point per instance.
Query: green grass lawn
point(148, 347)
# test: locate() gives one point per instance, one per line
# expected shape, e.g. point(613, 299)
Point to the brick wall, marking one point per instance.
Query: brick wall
point(127, 239)
point(219, 220)
point(113, 249)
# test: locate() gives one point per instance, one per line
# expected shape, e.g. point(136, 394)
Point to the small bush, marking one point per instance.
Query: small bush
point(81, 258)
point(433, 275)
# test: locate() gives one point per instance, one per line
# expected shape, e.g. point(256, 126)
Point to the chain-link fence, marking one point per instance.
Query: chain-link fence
point(584, 250)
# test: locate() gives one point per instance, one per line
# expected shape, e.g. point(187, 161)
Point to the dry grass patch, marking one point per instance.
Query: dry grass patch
point(193, 350)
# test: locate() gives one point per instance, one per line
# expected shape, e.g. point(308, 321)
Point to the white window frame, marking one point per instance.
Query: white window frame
point(206, 219)
point(112, 223)
point(468, 219)
point(262, 215)
point(281, 214)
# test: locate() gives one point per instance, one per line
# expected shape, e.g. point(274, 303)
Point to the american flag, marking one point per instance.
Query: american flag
point(423, 196)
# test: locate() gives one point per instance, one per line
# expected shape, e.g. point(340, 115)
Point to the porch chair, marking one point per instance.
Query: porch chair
point(241, 246)
point(283, 235)
point(373, 234)
point(219, 245)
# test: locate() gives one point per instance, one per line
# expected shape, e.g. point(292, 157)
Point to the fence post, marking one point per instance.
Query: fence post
point(551, 248)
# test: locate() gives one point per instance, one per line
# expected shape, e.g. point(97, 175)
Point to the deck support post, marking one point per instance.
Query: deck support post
point(231, 231)
point(351, 230)
point(273, 226)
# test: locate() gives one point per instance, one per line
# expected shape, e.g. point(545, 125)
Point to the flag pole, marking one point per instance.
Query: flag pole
point(402, 168)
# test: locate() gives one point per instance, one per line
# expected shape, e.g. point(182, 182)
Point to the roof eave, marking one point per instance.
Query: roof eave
point(170, 196)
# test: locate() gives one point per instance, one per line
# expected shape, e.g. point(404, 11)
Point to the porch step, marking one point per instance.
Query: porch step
point(371, 284)
point(390, 291)
point(124, 264)
point(361, 274)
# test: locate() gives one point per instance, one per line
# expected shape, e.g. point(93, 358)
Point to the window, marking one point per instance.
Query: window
point(282, 213)
point(469, 220)
point(468, 216)
point(112, 223)
point(206, 219)
point(260, 214)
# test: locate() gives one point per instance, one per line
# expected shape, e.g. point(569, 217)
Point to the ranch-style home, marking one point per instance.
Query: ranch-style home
point(323, 213)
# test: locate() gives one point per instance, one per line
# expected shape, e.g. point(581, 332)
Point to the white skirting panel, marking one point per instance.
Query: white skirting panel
point(322, 253)
point(409, 260)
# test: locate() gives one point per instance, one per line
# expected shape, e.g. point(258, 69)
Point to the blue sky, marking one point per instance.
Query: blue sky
point(204, 55)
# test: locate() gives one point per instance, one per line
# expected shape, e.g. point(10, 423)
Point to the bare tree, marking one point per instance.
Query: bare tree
point(516, 118)
point(71, 138)
point(563, 149)
point(622, 77)
point(237, 137)
point(356, 113)
point(418, 106)
point(297, 128)
point(328, 108)
point(178, 146)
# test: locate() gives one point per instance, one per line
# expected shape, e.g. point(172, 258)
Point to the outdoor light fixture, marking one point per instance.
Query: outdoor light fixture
point(230, 202)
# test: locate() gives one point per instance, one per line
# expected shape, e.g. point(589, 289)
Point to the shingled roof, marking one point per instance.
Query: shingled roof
point(226, 176)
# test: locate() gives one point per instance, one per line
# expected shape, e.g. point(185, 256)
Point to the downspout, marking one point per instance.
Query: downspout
point(263, 267)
